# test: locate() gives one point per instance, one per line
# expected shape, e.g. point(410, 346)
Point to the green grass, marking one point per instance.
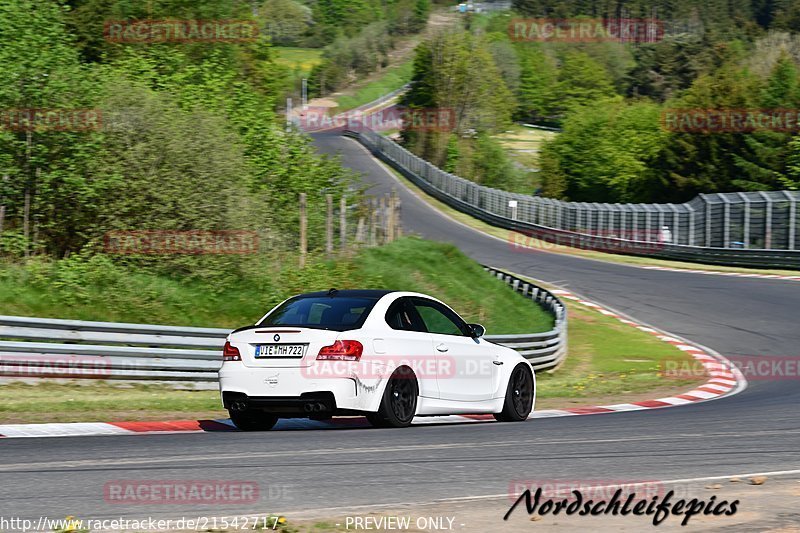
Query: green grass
point(298, 59)
point(91, 401)
point(101, 290)
point(394, 78)
point(609, 361)
point(523, 144)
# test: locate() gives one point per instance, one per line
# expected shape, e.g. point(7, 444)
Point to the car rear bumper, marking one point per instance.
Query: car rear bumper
point(307, 404)
point(288, 392)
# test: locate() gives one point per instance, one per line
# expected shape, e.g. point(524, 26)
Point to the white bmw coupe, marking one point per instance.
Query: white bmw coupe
point(388, 355)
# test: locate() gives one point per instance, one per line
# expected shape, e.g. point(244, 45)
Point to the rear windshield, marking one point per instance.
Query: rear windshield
point(324, 312)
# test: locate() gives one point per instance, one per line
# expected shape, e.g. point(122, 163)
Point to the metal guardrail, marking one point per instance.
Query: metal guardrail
point(385, 98)
point(545, 351)
point(55, 348)
point(759, 229)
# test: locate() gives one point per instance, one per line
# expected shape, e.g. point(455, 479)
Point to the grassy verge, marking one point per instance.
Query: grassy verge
point(392, 79)
point(101, 290)
point(537, 246)
point(523, 144)
point(608, 362)
point(300, 60)
point(89, 401)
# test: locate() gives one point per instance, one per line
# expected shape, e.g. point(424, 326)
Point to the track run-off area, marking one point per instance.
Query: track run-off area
point(756, 430)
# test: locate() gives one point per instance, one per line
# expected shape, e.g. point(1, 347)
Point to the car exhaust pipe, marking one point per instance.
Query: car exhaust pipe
point(308, 408)
point(318, 407)
point(239, 406)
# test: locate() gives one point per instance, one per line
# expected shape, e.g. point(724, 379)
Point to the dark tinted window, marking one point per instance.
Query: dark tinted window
point(438, 318)
point(325, 312)
point(402, 315)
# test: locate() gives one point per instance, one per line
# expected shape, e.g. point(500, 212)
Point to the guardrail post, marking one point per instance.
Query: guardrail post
point(707, 207)
point(767, 220)
point(726, 222)
point(792, 218)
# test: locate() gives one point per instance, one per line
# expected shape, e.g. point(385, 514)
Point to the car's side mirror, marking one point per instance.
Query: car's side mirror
point(476, 330)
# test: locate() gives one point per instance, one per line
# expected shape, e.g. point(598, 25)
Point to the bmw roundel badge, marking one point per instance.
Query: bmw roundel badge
point(276, 338)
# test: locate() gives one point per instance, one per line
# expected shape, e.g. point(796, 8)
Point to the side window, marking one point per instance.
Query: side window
point(439, 319)
point(403, 316)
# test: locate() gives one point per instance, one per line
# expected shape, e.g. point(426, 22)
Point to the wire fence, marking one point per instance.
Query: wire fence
point(747, 228)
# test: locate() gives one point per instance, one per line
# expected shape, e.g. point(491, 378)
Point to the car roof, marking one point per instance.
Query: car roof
point(351, 293)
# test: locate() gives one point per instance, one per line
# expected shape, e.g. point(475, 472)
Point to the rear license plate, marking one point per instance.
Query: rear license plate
point(281, 350)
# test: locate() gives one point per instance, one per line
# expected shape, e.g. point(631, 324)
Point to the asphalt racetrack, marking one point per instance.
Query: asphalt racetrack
point(300, 470)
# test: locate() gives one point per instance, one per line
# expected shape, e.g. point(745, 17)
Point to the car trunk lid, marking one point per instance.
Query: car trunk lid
point(281, 346)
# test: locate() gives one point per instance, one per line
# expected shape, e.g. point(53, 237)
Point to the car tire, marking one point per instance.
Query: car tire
point(519, 396)
point(253, 420)
point(399, 401)
point(376, 420)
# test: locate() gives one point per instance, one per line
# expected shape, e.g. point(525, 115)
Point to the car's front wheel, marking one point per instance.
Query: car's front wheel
point(519, 396)
point(252, 420)
point(399, 402)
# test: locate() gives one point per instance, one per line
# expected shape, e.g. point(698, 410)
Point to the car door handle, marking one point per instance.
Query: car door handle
point(442, 348)
point(497, 362)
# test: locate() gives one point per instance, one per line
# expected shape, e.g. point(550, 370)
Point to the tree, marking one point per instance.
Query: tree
point(782, 85)
point(492, 166)
point(45, 167)
point(507, 61)
point(791, 180)
point(408, 16)
point(456, 70)
point(605, 154)
point(285, 21)
point(537, 95)
point(581, 81)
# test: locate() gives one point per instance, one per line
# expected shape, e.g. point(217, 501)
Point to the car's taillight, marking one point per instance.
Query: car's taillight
point(341, 351)
point(230, 353)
